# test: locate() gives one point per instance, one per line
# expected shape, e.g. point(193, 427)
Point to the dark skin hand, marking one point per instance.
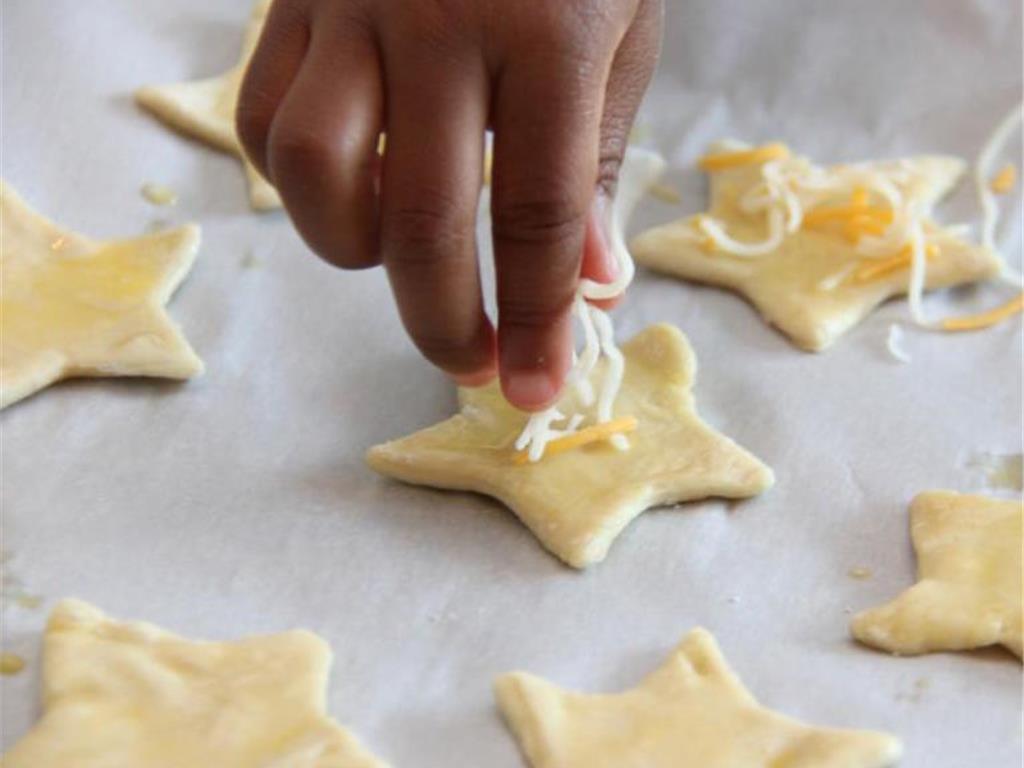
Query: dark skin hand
point(559, 83)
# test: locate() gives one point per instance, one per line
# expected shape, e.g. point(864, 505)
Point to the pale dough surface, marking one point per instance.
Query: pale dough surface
point(968, 593)
point(786, 286)
point(692, 712)
point(578, 502)
point(75, 307)
point(205, 109)
point(128, 695)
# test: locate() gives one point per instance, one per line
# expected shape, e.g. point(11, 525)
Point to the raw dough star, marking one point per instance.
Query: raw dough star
point(128, 695)
point(577, 502)
point(205, 109)
point(74, 307)
point(788, 285)
point(690, 713)
point(968, 593)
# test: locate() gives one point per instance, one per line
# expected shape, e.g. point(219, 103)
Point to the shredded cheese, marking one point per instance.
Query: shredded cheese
point(845, 213)
point(639, 171)
point(586, 436)
point(985, 319)
point(719, 238)
point(1003, 181)
point(873, 269)
point(860, 225)
point(894, 342)
point(884, 218)
point(719, 161)
point(158, 194)
point(983, 172)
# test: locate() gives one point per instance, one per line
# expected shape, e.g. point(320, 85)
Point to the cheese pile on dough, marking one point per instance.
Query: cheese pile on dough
point(884, 223)
point(640, 169)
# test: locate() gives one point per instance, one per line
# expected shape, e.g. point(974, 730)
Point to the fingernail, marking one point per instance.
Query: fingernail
point(529, 390)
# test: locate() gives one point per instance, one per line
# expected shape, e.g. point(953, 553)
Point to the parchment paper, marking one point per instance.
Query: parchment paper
point(239, 503)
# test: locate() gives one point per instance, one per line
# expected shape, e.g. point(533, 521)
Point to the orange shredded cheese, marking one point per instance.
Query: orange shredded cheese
point(822, 215)
point(984, 319)
point(860, 197)
point(586, 436)
point(1004, 180)
point(862, 224)
point(872, 269)
point(719, 161)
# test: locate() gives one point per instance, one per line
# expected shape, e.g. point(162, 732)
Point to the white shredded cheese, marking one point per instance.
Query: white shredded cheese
point(915, 289)
point(640, 170)
point(983, 171)
point(831, 282)
point(894, 342)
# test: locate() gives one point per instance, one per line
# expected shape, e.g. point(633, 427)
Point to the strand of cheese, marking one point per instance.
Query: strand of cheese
point(720, 161)
point(640, 170)
point(586, 436)
point(915, 287)
point(872, 269)
point(843, 213)
point(858, 226)
point(984, 319)
point(720, 239)
point(983, 172)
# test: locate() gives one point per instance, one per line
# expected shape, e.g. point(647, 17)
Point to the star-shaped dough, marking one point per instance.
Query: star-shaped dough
point(205, 109)
point(692, 712)
point(577, 502)
point(131, 694)
point(968, 593)
point(74, 307)
point(806, 287)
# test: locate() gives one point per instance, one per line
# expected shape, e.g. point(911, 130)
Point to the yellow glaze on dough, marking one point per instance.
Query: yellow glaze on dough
point(131, 694)
point(968, 593)
point(205, 109)
point(690, 713)
point(73, 307)
point(579, 501)
point(787, 286)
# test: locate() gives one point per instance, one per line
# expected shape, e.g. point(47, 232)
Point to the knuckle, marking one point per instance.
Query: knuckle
point(417, 234)
point(539, 220)
point(534, 312)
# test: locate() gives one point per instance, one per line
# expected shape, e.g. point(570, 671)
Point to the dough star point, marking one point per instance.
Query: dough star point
point(692, 712)
point(205, 109)
point(578, 502)
point(132, 694)
point(803, 287)
point(968, 594)
point(74, 307)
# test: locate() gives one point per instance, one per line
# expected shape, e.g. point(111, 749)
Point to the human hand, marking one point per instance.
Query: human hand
point(558, 82)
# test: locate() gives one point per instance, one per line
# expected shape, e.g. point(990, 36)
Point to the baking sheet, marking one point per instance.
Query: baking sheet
point(240, 503)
